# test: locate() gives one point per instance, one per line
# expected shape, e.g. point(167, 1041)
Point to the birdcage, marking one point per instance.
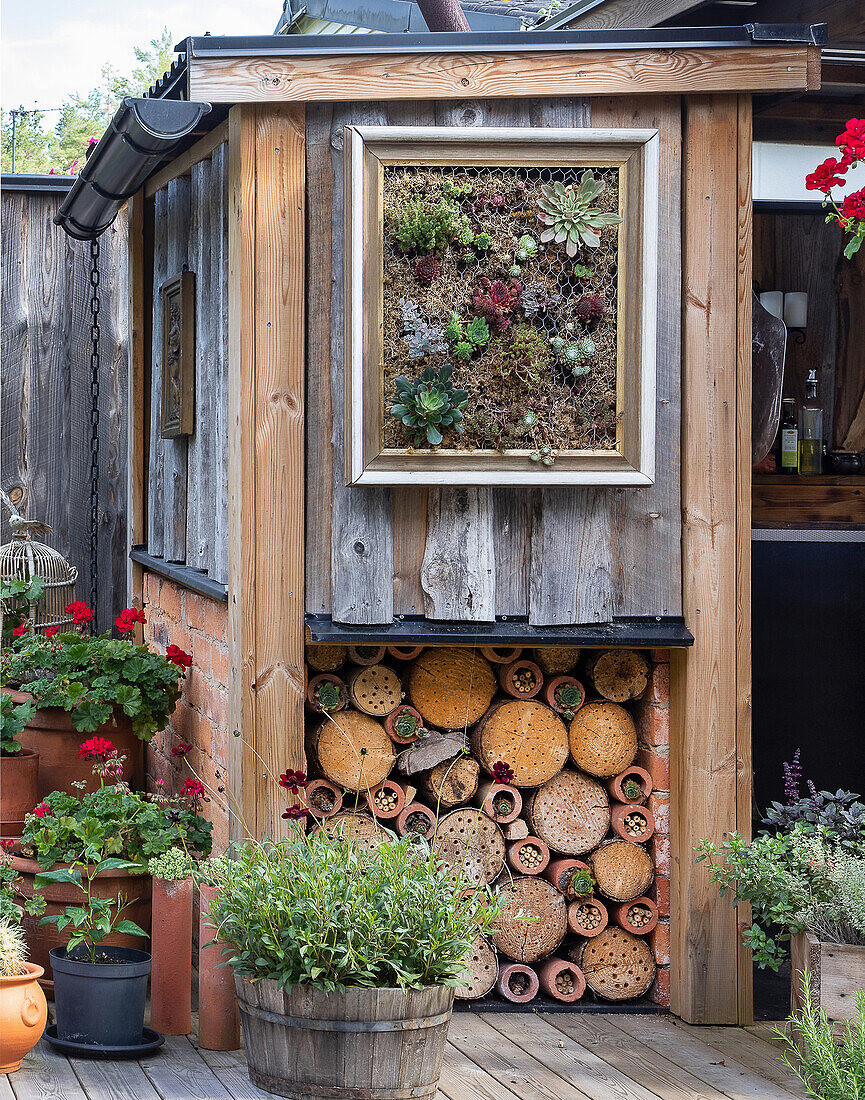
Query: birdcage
point(23, 559)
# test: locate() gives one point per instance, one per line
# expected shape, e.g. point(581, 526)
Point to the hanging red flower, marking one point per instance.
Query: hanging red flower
point(80, 612)
point(850, 215)
point(96, 748)
point(292, 780)
point(852, 140)
point(178, 657)
point(20, 631)
point(181, 750)
point(826, 175)
point(854, 205)
point(295, 812)
point(50, 631)
point(192, 789)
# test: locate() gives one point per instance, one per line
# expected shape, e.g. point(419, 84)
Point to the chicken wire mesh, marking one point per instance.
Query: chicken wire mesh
point(531, 386)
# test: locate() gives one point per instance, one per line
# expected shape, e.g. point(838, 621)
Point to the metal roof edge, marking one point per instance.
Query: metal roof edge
point(47, 183)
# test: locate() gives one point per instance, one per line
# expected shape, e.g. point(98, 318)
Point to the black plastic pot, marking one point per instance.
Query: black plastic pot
point(101, 1004)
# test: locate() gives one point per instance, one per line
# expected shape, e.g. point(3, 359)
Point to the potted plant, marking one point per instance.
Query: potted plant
point(19, 768)
point(345, 960)
point(23, 1010)
point(64, 683)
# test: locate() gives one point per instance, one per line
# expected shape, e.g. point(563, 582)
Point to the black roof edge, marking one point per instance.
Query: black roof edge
point(310, 45)
point(50, 183)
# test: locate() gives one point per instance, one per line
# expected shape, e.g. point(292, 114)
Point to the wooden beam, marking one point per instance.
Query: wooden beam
point(493, 76)
point(183, 165)
point(136, 468)
point(266, 462)
point(705, 769)
point(622, 14)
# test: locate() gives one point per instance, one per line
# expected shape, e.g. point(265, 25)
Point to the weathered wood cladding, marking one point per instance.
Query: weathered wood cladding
point(187, 503)
point(46, 387)
point(554, 556)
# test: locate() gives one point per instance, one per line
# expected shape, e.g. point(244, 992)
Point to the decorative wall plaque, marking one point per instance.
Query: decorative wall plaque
point(178, 355)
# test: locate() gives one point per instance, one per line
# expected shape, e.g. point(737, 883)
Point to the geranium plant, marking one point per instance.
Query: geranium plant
point(850, 215)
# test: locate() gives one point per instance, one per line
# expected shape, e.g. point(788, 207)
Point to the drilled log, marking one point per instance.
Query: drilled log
point(352, 750)
point(526, 736)
point(326, 658)
point(618, 966)
point(359, 828)
point(570, 813)
point(619, 674)
point(622, 870)
point(603, 739)
point(481, 973)
point(375, 690)
point(473, 842)
point(451, 783)
point(557, 660)
point(427, 753)
point(533, 920)
point(452, 688)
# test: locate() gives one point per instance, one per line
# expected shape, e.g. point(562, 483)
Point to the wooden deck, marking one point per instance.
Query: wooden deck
point(494, 1056)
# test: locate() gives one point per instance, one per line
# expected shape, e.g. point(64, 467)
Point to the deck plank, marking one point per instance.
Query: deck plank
point(6, 1092)
point(180, 1073)
point(113, 1080)
point(46, 1075)
point(463, 1079)
point(231, 1069)
point(571, 1062)
point(661, 1076)
point(682, 1045)
point(754, 1051)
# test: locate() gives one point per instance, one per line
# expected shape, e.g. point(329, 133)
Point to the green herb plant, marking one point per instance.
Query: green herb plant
point(569, 216)
point(429, 404)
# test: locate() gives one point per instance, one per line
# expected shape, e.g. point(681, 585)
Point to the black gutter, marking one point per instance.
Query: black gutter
point(31, 182)
point(141, 135)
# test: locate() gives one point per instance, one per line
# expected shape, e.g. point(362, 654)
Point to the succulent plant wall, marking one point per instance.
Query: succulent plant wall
point(500, 309)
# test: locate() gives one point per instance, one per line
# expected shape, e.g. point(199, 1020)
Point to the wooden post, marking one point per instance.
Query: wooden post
point(266, 465)
point(710, 704)
point(137, 421)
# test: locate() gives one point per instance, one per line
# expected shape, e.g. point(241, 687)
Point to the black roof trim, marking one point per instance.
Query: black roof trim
point(27, 181)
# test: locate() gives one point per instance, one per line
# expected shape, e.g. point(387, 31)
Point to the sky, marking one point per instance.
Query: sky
point(54, 48)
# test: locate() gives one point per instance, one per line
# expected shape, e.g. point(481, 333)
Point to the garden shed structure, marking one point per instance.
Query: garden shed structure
point(252, 508)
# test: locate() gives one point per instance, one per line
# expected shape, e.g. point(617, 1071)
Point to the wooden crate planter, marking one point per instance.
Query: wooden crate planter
point(837, 972)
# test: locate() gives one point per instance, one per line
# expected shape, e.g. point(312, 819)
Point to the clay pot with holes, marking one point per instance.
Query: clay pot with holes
point(633, 822)
point(635, 777)
point(521, 679)
point(386, 800)
point(587, 917)
point(639, 916)
point(528, 856)
point(482, 966)
point(560, 872)
point(564, 708)
point(366, 654)
point(416, 820)
point(562, 980)
point(501, 655)
point(517, 983)
point(313, 688)
point(404, 652)
point(500, 801)
point(324, 799)
point(391, 720)
point(375, 690)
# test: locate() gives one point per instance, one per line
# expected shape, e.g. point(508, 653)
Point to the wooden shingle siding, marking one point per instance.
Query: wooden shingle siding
point(187, 482)
point(553, 556)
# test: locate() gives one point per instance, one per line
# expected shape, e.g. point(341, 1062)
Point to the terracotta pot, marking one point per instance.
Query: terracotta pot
point(616, 786)
point(50, 734)
point(553, 970)
point(329, 678)
point(517, 983)
point(390, 725)
point(489, 793)
point(509, 679)
point(218, 1015)
point(624, 916)
point(576, 919)
point(405, 652)
point(633, 822)
point(19, 790)
point(171, 948)
point(324, 799)
point(23, 1015)
point(501, 655)
point(521, 862)
point(391, 792)
point(549, 695)
point(560, 872)
point(410, 815)
point(107, 884)
point(366, 654)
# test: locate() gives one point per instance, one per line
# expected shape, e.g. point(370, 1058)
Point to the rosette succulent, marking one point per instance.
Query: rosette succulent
point(427, 404)
point(569, 216)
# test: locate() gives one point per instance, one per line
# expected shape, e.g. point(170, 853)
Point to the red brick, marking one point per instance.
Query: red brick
point(203, 737)
point(219, 816)
point(658, 688)
point(219, 748)
point(151, 588)
point(216, 620)
point(169, 602)
point(193, 610)
point(180, 636)
point(201, 654)
point(157, 768)
point(659, 941)
point(661, 656)
point(659, 991)
point(653, 724)
point(182, 721)
point(659, 849)
point(659, 804)
point(219, 664)
point(199, 692)
point(657, 764)
point(219, 707)
point(660, 894)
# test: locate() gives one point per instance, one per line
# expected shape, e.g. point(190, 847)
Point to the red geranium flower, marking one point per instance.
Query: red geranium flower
point(854, 205)
point(852, 141)
point(292, 780)
point(825, 176)
point(95, 748)
point(181, 750)
point(126, 620)
point(502, 772)
point(50, 631)
point(295, 812)
point(177, 656)
point(42, 809)
point(7, 845)
point(191, 789)
point(80, 612)
point(20, 631)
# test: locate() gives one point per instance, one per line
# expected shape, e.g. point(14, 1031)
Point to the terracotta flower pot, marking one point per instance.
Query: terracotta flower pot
point(501, 655)
point(549, 695)
point(587, 917)
point(405, 652)
point(521, 679)
point(639, 916)
point(171, 948)
point(391, 720)
point(633, 822)
point(324, 799)
point(500, 801)
point(528, 856)
point(326, 678)
point(386, 800)
point(50, 733)
point(561, 871)
point(107, 884)
point(366, 654)
point(636, 775)
point(23, 1015)
point(517, 983)
point(218, 1015)
point(19, 790)
point(562, 980)
point(412, 817)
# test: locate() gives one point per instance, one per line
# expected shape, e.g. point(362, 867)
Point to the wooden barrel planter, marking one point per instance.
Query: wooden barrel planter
point(571, 877)
point(375, 690)
point(639, 916)
point(565, 694)
point(528, 856)
point(517, 983)
point(557, 660)
point(603, 739)
point(326, 657)
point(366, 654)
point(618, 966)
point(587, 917)
point(404, 725)
point(361, 1044)
point(386, 800)
point(527, 940)
point(633, 822)
point(570, 813)
point(619, 674)
point(416, 820)
point(622, 870)
point(326, 694)
point(451, 783)
point(352, 750)
point(473, 842)
point(452, 688)
point(359, 828)
point(404, 652)
point(632, 785)
point(482, 969)
point(562, 980)
point(19, 790)
point(525, 735)
point(521, 679)
point(500, 801)
point(323, 799)
point(501, 655)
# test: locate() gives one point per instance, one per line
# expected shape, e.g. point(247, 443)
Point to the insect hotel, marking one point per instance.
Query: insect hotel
point(440, 464)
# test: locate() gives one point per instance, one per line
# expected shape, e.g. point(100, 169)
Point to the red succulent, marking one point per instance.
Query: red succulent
point(95, 748)
point(497, 301)
point(178, 657)
point(426, 270)
point(502, 772)
point(591, 307)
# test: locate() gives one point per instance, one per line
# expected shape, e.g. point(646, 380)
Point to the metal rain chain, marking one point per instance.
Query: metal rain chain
point(94, 427)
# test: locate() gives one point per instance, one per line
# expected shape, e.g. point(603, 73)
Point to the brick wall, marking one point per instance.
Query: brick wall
point(199, 626)
point(652, 715)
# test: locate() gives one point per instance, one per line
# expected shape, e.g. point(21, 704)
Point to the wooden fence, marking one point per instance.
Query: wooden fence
point(46, 392)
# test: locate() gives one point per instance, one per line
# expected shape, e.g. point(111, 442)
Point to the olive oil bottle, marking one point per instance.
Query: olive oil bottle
point(811, 429)
point(789, 456)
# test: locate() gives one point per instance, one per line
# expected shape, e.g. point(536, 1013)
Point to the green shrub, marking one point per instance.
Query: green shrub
point(831, 1066)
